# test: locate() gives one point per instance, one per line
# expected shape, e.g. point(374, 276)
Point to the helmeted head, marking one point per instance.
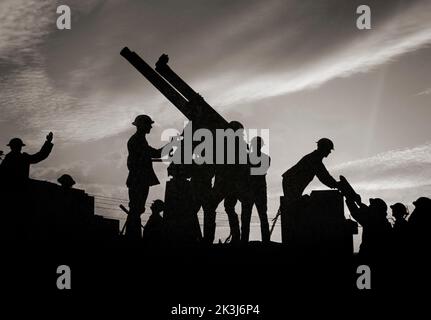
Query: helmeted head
point(143, 122)
point(325, 146)
point(423, 203)
point(157, 206)
point(399, 211)
point(66, 181)
point(235, 125)
point(378, 205)
point(257, 143)
point(16, 144)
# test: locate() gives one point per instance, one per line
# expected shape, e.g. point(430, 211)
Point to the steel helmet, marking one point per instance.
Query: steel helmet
point(66, 181)
point(158, 205)
point(235, 125)
point(379, 203)
point(325, 143)
point(16, 142)
point(142, 119)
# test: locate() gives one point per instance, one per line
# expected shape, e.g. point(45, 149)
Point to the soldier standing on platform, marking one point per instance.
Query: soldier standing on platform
point(231, 184)
point(141, 173)
point(259, 192)
point(14, 180)
point(15, 168)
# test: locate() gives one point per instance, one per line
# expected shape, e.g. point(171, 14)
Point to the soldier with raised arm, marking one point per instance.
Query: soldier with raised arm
point(15, 187)
point(15, 168)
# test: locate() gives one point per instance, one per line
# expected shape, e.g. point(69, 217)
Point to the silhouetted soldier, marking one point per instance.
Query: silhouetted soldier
point(420, 222)
point(297, 178)
point(376, 229)
point(153, 230)
point(69, 224)
point(14, 173)
point(15, 168)
point(400, 213)
point(66, 181)
point(231, 184)
point(141, 173)
point(258, 191)
point(421, 215)
point(201, 186)
point(399, 228)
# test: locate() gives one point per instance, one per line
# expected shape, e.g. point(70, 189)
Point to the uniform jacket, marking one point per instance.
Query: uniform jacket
point(15, 168)
point(139, 162)
point(311, 165)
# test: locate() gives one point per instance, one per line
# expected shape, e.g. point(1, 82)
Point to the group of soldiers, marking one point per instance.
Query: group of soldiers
point(232, 183)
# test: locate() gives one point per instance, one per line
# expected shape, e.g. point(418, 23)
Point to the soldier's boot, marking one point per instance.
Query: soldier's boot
point(133, 227)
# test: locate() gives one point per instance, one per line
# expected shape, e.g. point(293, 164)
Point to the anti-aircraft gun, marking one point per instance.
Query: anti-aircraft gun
point(178, 92)
point(181, 226)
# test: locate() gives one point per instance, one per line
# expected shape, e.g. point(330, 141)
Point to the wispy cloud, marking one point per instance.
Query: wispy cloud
point(401, 34)
point(424, 93)
point(403, 174)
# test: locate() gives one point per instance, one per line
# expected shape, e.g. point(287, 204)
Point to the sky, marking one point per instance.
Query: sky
point(300, 68)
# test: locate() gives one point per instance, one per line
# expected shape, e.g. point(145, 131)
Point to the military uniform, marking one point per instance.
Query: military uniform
point(260, 200)
point(297, 178)
point(14, 177)
point(15, 168)
point(231, 184)
point(141, 177)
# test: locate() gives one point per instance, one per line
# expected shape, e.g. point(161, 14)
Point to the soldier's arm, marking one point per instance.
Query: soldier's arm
point(355, 211)
point(324, 176)
point(163, 151)
point(43, 152)
point(155, 153)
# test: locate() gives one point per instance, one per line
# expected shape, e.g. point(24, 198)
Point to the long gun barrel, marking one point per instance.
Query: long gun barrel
point(178, 92)
point(156, 80)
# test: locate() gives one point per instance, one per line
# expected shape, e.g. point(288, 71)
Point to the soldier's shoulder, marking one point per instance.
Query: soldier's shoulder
point(307, 158)
point(314, 156)
point(133, 139)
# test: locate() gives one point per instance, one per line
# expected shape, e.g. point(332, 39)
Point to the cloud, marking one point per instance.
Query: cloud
point(404, 32)
point(398, 174)
point(424, 93)
point(77, 85)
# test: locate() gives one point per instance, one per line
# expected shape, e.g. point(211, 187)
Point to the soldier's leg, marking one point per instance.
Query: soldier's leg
point(262, 208)
point(137, 199)
point(246, 211)
point(197, 198)
point(229, 206)
point(217, 194)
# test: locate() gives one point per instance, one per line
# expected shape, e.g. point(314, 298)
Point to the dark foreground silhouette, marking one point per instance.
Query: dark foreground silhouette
point(47, 224)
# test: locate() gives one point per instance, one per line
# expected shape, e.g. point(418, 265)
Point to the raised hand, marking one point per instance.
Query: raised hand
point(49, 137)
